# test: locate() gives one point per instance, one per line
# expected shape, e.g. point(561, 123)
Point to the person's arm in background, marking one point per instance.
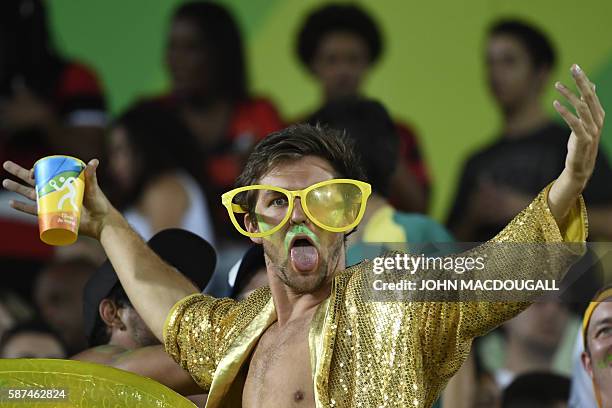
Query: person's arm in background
point(164, 203)
point(155, 363)
point(152, 285)
point(461, 221)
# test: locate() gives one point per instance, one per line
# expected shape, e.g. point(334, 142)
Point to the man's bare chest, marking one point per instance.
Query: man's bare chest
point(279, 372)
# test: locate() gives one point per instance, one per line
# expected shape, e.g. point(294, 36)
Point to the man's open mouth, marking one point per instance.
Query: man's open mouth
point(303, 253)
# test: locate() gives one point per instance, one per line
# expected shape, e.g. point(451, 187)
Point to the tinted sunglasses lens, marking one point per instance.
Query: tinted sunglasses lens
point(335, 205)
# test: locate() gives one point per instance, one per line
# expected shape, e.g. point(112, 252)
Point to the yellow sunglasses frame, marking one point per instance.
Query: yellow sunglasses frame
point(232, 209)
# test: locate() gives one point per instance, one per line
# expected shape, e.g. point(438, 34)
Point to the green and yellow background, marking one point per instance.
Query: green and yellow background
point(431, 74)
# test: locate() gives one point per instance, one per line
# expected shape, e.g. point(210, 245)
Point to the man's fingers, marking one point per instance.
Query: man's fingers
point(600, 114)
point(567, 93)
point(572, 121)
point(581, 107)
point(16, 170)
point(27, 192)
point(588, 95)
point(23, 207)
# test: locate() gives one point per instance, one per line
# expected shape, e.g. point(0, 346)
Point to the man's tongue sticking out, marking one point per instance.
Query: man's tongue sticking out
point(303, 253)
point(304, 257)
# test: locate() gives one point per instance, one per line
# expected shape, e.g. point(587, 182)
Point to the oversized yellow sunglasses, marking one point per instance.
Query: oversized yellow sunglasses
point(336, 205)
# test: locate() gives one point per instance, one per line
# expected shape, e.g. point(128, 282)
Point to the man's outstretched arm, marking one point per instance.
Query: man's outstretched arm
point(535, 245)
point(152, 285)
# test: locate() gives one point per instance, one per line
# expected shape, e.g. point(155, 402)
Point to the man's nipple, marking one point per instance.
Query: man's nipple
point(298, 396)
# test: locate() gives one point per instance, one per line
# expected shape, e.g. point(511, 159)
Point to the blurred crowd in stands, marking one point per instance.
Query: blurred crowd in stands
point(166, 160)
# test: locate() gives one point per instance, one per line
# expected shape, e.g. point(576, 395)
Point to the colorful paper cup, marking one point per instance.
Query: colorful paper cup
point(60, 183)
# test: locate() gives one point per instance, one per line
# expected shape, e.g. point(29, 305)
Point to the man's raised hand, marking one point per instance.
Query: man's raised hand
point(583, 144)
point(96, 206)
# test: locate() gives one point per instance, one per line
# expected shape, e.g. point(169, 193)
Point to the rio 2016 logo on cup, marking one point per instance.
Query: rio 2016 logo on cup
point(60, 183)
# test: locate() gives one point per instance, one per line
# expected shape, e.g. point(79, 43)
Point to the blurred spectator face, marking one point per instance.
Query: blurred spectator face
point(598, 360)
point(58, 293)
point(540, 327)
point(513, 79)
point(33, 345)
point(340, 64)
point(122, 160)
point(188, 59)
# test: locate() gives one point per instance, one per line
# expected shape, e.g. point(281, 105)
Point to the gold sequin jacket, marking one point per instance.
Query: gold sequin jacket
point(363, 354)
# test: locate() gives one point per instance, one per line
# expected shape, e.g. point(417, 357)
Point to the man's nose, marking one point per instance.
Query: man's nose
point(297, 215)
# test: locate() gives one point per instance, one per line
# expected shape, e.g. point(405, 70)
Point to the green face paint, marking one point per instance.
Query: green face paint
point(262, 225)
point(300, 229)
point(605, 362)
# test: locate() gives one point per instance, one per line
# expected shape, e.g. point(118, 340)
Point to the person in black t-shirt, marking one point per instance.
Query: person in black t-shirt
point(500, 180)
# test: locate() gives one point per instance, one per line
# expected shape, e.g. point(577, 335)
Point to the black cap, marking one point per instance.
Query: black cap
point(193, 256)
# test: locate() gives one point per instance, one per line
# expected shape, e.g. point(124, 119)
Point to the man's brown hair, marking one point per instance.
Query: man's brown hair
point(295, 142)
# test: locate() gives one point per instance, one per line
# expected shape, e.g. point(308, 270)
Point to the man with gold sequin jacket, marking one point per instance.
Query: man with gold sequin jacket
point(310, 339)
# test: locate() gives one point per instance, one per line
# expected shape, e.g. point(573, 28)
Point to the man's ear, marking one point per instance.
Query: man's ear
point(109, 313)
point(587, 363)
point(252, 226)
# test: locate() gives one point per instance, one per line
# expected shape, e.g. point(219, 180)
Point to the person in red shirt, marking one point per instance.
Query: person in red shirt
point(339, 44)
point(207, 68)
point(48, 105)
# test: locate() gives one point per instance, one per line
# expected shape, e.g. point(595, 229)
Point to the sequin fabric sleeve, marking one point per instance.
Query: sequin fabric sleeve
point(200, 330)
point(447, 328)
point(192, 335)
point(402, 353)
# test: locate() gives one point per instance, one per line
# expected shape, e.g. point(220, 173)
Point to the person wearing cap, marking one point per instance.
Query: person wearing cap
point(313, 337)
point(537, 389)
point(597, 339)
point(152, 361)
point(248, 274)
point(112, 325)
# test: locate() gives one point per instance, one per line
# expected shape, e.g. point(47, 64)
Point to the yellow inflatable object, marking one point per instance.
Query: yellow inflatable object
point(84, 385)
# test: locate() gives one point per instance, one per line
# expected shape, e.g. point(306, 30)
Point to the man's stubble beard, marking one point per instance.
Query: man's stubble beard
point(283, 268)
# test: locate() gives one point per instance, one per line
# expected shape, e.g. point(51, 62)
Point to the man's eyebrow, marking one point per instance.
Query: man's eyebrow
point(268, 192)
point(605, 320)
